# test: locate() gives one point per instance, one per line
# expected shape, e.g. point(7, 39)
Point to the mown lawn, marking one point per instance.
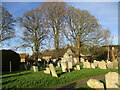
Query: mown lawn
point(30, 79)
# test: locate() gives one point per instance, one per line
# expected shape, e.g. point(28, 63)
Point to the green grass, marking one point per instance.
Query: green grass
point(30, 79)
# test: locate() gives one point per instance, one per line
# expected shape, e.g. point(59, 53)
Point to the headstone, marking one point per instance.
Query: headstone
point(47, 71)
point(102, 64)
point(92, 65)
point(94, 83)
point(64, 66)
point(35, 68)
point(82, 59)
point(75, 60)
point(70, 64)
point(52, 69)
point(77, 67)
point(115, 64)
point(109, 64)
point(112, 79)
point(58, 64)
point(87, 64)
point(95, 63)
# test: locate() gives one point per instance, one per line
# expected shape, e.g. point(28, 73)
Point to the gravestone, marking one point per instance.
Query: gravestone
point(87, 64)
point(102, 64)
point(75, 60)
point(82, 59)
point(47, 71)
point(95, 63)
point(109, 64)
point(64, 66)
point(94, 83)
point(112, 79)
point(58, 63)
point(52, 69)
point(70, 64)
point(92, 65)
point(77, 67)
point(115, 64)
point(35, 68)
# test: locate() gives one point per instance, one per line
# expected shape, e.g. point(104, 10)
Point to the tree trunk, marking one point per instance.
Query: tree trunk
point(56, 43)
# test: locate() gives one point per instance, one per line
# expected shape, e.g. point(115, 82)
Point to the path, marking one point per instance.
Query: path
point(80, 82)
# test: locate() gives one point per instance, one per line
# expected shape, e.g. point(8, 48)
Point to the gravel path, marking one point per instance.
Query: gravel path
point(80, 82)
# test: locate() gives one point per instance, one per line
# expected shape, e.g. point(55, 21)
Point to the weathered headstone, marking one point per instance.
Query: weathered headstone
point(112, 79)
point(115, 64)
point(87, 64)
point(92, 65)
point(58, 64)
point(95, 63)
point(70, 64)
point(75, 60)
point(82, 59)
point(109, 64)
point(94, 83)
point(35, 68)
point(64, 66)
point(77, 67)
point(102, 64)
point(47, 71)
point(52, 69)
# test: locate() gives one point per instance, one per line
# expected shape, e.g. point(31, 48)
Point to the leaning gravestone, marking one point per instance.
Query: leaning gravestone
point(47, 71)
point(52, 69)
point(35, 68)
point(102, 64)
point(94, 83)
point(112, 79)
point(115, 64)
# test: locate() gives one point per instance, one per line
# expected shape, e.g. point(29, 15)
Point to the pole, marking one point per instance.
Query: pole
point(10, 67)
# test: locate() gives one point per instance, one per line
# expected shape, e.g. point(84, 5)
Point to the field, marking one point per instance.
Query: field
point(30, 79)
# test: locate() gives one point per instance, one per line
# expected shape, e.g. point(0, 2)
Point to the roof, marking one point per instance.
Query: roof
point(22, 55)
point(52, 52)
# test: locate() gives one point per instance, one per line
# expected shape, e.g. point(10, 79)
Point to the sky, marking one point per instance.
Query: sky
point(105, 12)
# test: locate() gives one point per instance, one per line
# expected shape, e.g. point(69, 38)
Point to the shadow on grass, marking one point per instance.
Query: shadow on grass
point(103, 84)
point(3, 83)
point(3, 73)
point(69, 86)
point(59, 74)
point(15, 75)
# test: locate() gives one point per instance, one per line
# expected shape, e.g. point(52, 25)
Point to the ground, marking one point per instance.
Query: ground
point(30, 79)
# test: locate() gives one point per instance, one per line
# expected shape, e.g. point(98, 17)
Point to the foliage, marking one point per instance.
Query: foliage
point(98, 53)
point(35, 31)
point(7, 24)
point(29, 79)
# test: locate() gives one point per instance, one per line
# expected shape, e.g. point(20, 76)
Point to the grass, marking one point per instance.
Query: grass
point(30, 79)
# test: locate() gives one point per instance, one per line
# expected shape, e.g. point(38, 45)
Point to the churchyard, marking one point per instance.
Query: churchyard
point(56, 77)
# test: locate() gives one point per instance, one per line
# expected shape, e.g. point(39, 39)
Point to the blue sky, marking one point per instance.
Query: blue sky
point(105, 12)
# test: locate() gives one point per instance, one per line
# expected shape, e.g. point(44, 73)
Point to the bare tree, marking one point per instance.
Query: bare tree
point(6, 25)
point(54, 13)
point(35, 30)
point(83, 29)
